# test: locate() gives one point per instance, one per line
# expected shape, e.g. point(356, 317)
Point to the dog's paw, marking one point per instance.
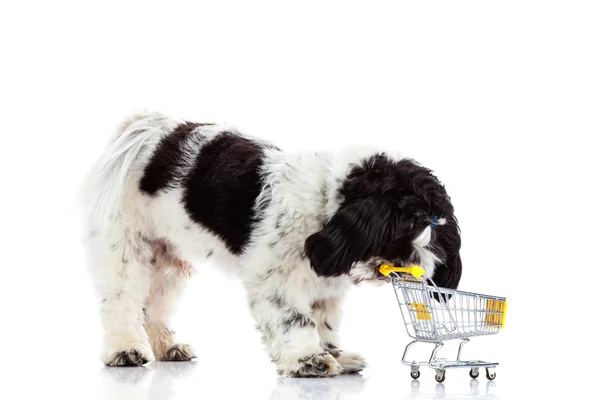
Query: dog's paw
point(127, 358)
point(351, 363)
point(315, 366)
point(179, 352)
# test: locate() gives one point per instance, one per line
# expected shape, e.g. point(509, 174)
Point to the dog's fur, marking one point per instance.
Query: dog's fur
point(298, 229)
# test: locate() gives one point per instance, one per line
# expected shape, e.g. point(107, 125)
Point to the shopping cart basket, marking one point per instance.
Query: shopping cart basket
point(433, 315)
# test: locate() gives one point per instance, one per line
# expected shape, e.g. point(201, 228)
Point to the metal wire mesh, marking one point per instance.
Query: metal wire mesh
point(433, 314)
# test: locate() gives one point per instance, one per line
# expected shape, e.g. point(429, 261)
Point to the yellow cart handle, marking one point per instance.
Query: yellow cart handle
point(415, 271)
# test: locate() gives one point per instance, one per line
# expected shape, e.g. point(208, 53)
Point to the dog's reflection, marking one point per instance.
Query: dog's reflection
point(475, 392)
point(157, 381)
point(317, 388)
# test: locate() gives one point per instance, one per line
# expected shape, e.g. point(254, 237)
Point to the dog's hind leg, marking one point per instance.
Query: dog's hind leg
point(121, 270)
point(168, 282)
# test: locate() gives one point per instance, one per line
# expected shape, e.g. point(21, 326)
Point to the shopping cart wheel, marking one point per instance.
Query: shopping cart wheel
point(415, 374)
point(473, 373)
point(491, 375)
point(440, 376)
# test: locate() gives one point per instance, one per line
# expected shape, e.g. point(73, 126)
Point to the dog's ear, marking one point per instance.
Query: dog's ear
point(348, 237)
point(448, 275)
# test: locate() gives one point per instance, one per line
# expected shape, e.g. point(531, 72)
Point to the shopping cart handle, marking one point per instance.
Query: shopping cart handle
point(415, 271)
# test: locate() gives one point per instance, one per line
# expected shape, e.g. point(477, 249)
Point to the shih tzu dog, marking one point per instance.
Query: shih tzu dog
point(297, 228)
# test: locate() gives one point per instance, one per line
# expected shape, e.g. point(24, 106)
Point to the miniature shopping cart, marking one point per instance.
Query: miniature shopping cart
point(433, 315)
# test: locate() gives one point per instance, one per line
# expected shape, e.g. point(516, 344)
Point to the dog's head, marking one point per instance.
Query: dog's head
point(392, 211)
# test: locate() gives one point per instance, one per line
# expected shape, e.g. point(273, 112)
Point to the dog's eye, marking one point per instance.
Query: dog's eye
point(412, 226)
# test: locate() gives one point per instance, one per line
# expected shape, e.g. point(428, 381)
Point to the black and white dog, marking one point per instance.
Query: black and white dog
point(297, 228)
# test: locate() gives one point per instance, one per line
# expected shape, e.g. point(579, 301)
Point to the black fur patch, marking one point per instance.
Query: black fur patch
point(252, 303)
point(277, 300)
point(268, 274)
point(160, 173)
point(446, 245)
point(278, 221)
point(333, 350)
point(296, 320)
point(386, 205)
point(222, 188)
point(318, 305)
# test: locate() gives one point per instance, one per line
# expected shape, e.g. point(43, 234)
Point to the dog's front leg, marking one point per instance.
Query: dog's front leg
point(290, 333)
point(327, 314)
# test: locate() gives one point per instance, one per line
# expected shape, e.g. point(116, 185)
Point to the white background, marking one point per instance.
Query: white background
point(501, 99)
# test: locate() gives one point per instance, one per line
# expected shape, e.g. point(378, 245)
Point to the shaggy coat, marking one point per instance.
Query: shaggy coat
point(297, 228)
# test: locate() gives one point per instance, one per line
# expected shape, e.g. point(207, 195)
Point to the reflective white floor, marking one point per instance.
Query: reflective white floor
point(181, 380)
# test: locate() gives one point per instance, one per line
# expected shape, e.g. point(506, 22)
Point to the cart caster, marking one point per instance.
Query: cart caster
point(415, 374)
point(491, 375)
point(440, 376)
point(474, 373)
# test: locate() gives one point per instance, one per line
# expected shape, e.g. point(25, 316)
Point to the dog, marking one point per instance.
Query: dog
point(298, 228)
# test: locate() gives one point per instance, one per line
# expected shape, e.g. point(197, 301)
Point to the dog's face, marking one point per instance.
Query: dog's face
point(392, 211)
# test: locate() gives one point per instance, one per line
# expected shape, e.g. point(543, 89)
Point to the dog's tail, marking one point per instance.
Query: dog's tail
point(107, 181)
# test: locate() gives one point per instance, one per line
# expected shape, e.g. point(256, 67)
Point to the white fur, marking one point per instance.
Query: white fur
point(428, 259)
point(104, 186)
point(123, 225)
